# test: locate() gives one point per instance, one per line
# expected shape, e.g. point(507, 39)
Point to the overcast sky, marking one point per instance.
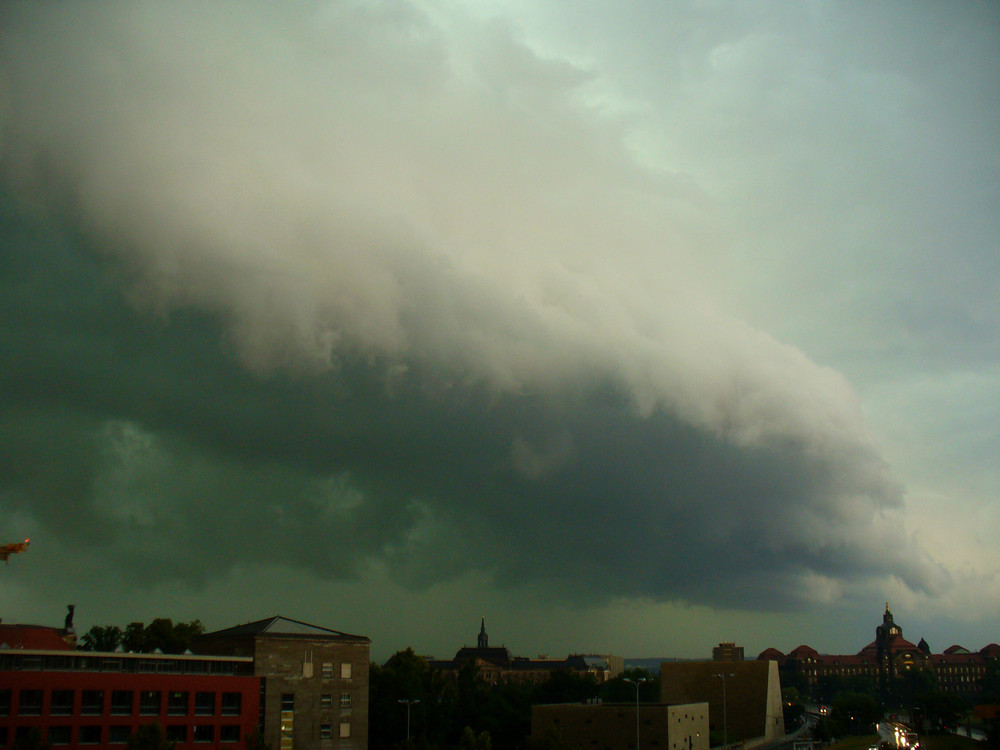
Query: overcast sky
point(636, 327)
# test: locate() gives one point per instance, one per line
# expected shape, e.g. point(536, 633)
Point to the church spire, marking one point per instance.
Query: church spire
point(484, 640)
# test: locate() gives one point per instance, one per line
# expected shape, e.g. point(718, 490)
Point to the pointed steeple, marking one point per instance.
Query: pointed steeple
point(484, 640)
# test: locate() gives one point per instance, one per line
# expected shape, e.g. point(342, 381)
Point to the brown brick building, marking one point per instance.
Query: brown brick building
point(744, 698)
point(314, 681)
point(612, 726)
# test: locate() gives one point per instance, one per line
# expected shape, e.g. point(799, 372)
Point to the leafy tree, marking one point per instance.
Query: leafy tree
point(255, 741)
point(472, 741)
point(149, 737)
point(101, 638)
point(855, 713)
point(161, 633)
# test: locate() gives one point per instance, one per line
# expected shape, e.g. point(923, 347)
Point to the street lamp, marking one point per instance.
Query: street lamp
point(637, 683)
point(725, 718)
point(408, 704)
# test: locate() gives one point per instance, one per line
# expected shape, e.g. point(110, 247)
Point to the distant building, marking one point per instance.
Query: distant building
point(727, 652)
point(314, 692)
point(613, 726)
point(744, 698)
point(885, 659)
point(496, 664)
point(85, 700)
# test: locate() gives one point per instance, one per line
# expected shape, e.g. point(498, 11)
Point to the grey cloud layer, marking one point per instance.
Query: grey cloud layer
point(325, 283)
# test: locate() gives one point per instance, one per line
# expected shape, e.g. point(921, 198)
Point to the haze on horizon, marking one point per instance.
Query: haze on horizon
point(638, 329)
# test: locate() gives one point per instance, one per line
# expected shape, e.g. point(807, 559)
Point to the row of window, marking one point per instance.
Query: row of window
point(118, 735)
point(325, 701)
point(14, 660)
point(120, 703)
point(326, 730)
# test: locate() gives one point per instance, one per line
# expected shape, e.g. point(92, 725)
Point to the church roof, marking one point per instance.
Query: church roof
point(279, 625)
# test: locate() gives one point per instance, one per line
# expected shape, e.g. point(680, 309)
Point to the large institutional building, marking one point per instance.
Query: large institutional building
point(496, 664)
point(886, 658)
point(304, 686)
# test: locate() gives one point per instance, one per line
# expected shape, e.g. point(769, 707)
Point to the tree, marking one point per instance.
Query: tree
point(101, 638)
point(162, 634)
point(255, 741)
point(149, 737)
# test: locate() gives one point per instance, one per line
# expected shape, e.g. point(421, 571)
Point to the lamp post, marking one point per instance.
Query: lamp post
point(637, 683)
point(408, 704)
point(725, 718)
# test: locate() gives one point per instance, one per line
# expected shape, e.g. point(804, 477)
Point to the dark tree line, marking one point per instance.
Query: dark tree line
point(466, 711)
point(160, 634)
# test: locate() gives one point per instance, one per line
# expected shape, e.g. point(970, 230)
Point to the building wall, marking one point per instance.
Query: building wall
point(77, 710)
point(327, 682)
point(749, 708)
point(612, 726)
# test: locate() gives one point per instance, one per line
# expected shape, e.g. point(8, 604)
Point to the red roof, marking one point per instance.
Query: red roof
point(33, 637)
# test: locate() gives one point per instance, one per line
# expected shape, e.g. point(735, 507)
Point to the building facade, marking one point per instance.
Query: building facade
point(617, 726)
point(496, 664)
point(82, 700)
point(314, 681)
point(889, 657)
point(744, 698)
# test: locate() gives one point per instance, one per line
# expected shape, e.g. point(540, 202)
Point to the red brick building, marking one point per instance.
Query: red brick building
point(887, 658)
point(82, 700)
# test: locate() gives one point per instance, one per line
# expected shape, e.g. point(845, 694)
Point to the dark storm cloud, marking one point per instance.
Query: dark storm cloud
point(322, 288)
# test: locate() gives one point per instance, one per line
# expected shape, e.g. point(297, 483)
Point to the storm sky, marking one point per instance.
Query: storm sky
point(635, 327)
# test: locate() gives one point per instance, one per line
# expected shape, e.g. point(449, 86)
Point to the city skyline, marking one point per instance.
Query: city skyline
point(638, 329)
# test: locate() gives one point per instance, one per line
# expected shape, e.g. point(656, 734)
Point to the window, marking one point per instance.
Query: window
point(326, 731)
point(59, 735)
point(90, 735)
point(5, 703)
point(232, 704)
point(345, 670)
point(92, 703)
point(62, 703)
point(177, 703)
point(121, 702)
point(345, 729)
point(177, 733)
point(118, 734)
point(288, 701)
point(327, 671)
point(30, 703)
point(204, 704)
point(149, 702)
point(229, 733)
point(326, 700)
point(204, 733)
point(345, 700)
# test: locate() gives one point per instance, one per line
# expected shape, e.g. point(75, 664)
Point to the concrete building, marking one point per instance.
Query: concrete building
point(744, 698)
point(314, 681)
point(614, 726)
